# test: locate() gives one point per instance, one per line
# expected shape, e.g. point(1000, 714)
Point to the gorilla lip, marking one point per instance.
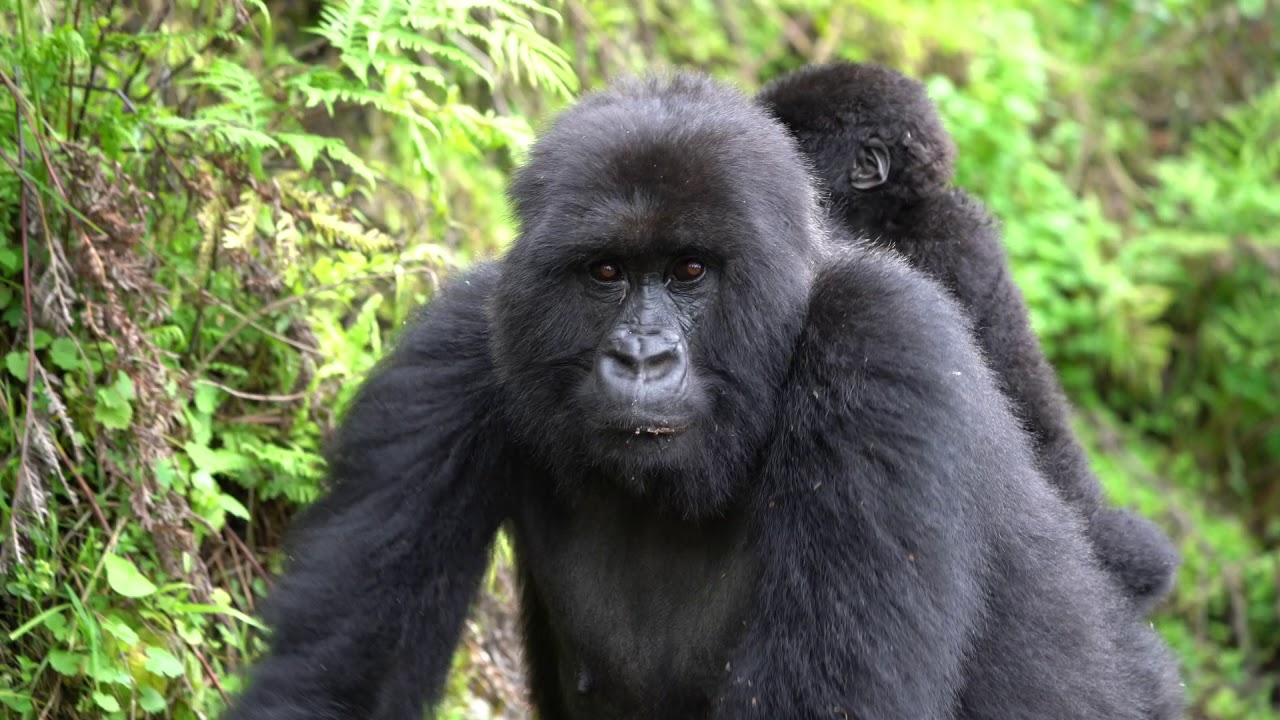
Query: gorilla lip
point(658, 430)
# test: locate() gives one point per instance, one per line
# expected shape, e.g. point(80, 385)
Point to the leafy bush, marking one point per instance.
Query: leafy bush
point(189, 282)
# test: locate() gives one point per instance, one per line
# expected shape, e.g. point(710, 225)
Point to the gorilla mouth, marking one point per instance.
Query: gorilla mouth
point(628, 429)
point(658, 430)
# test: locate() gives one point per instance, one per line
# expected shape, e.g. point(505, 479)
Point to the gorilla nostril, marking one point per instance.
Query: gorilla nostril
point(644, 367)
point(627, 360)
point(659, 365)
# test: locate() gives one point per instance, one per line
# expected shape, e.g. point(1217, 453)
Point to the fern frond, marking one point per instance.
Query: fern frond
point(238, 226)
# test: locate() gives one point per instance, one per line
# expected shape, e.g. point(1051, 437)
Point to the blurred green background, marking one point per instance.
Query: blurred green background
point(214, 215)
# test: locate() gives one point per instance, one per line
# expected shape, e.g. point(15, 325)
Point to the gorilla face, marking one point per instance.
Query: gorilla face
point(633, 347)
point(642, 383)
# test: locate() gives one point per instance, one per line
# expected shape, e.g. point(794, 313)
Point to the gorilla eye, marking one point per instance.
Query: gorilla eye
point(606, 271)
point(688, 270)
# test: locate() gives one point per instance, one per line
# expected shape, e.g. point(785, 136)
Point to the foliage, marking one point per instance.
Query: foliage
point(211, 222)
point(190, 279)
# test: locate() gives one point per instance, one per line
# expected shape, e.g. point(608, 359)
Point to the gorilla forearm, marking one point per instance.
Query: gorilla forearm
point(366, 616)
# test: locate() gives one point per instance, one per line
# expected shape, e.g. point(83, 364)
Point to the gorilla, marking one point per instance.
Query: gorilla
point(879, 148)
point(751, 467)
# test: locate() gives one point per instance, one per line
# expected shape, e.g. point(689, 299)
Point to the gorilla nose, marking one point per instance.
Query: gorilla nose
point(640, 362)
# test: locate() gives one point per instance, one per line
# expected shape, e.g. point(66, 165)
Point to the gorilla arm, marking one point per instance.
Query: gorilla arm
point(914, 563)
point(370, 608)
point(856, 521)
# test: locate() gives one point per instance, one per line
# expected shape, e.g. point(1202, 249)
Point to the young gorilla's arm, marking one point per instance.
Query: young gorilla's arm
point(367, 615)
point(865, 521)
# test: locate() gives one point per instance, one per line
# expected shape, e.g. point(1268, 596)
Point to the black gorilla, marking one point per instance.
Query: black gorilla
point(749, 471)
point(878, 145)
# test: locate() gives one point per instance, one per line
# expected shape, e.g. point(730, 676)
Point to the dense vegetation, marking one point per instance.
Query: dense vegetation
point(213, 215)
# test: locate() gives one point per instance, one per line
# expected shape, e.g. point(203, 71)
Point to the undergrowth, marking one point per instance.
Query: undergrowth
point(191, 277)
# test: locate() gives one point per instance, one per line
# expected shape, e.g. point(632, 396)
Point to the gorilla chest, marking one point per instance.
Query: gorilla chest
point(631, 615)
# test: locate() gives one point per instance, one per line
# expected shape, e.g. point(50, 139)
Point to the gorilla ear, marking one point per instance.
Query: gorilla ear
point(870, 165)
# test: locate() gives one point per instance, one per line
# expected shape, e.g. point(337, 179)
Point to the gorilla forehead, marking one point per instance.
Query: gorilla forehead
point(653, 196)
point(655, 165)
point(822, 97)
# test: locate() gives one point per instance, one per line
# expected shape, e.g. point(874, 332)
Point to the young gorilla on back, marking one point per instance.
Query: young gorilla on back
point(749, 472)
point(877, 143)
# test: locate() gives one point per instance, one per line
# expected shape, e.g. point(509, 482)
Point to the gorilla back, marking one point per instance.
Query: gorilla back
point(750, 472)
point(878, 146)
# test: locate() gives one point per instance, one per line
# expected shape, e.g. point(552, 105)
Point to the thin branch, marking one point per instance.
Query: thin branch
point(285, 302)
point(93, 70)
point(253, 396)
point(84, 487)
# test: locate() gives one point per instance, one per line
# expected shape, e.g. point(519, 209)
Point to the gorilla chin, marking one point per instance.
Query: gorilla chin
point(646, 436)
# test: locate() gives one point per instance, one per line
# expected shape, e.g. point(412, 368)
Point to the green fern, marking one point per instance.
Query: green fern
point(407, 60)
point(1227, 179)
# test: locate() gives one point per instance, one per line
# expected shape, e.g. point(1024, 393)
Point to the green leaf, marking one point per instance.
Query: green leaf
point(56, 623)
point(10, 259)
point(120, 629)
point(1252, 9)
point(124, 578)
point(162, 662)
point(203, 481)
point(64, 354)
point(150, 700)
point(233, 506)
point(106, 702)
point(15, 701)
point(16, 361)
point(207, 397)
point(113, 408)
point(115, 417)
point(123, 387)
point(304, 147)
point(166, 474)
point(110, 674)
point(66, 663)
point(216, 461)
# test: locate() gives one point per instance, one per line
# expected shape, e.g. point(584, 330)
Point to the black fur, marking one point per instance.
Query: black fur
point(845, 521)
point(835, 111)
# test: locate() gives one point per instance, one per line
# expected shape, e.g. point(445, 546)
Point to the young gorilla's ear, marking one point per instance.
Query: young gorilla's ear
point(870, 165)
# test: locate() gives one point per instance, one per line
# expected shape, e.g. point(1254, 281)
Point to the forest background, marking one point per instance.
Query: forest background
point(215, 215)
